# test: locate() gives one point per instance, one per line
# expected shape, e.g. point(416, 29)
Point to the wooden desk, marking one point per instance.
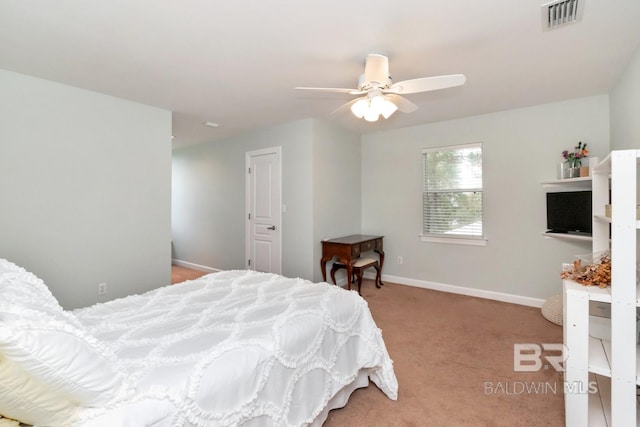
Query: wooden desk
point(347, 249)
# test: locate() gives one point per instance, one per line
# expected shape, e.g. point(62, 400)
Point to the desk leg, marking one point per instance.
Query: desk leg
point(378, 278)
point(381, 254)
point(349, 274)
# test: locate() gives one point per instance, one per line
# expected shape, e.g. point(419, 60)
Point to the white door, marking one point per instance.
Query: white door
point(264, 210)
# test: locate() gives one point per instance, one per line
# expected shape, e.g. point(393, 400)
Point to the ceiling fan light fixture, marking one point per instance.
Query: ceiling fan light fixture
point(370, 108)
point(376, 103)
point(360, 107)
point(387, 108)
point(371, 115)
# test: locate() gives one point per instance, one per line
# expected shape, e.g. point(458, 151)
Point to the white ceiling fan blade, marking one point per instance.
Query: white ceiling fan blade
point(344, 107)
point(332, 89)
point(376, 69)
point(403, 104)
point(426, 84)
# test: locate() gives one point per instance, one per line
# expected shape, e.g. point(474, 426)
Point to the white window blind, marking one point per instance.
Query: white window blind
point(452, 191)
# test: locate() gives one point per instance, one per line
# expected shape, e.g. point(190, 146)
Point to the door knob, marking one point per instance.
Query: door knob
point(273, 227)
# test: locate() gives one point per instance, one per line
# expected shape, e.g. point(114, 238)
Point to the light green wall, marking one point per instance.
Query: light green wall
point(85, 181)
point(336, 187)
point(337, 183)
point(209, 199)
point(521, 148)
point(625, 108)
point(320, 188)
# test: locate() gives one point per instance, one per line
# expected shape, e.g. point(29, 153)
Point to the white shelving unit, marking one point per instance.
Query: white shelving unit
point(603, 358)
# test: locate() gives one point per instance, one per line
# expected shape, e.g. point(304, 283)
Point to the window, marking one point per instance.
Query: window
point(452, 195)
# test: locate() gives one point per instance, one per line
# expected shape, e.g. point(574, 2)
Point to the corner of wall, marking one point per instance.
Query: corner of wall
point(624, 107)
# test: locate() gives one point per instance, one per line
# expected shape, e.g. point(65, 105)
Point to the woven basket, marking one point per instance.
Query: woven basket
point(552, 309)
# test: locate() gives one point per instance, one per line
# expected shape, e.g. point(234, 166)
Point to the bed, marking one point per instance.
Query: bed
point(231, 348)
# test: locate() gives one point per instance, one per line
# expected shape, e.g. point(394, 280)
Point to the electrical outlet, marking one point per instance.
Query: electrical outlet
point(400, 260)
point(102, 288)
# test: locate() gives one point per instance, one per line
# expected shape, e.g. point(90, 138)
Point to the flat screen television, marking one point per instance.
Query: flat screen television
point(569, 212)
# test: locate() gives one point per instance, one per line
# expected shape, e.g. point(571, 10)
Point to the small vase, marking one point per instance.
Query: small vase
point(573, 172)
point(563, 171)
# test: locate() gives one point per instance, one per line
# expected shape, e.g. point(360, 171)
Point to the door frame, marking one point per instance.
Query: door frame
point(248, 155)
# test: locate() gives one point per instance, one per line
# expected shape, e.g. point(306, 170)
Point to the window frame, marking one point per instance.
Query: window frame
point(459, 239)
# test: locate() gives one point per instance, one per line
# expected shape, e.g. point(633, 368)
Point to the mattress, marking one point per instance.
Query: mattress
point(238, 348)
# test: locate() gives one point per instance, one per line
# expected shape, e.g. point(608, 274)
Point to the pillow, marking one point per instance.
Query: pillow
point(48, 346)
point(8, 422)
point(22, 398)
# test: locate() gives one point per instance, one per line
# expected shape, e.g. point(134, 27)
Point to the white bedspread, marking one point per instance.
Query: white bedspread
point(237, 348)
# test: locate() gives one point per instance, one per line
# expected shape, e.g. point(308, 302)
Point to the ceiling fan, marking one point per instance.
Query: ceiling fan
point(383, 97)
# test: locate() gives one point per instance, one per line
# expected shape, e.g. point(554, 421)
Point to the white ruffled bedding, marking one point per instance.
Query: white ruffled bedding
point(237, 348)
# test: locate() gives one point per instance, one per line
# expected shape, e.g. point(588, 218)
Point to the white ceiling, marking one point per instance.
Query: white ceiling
point(236, 62)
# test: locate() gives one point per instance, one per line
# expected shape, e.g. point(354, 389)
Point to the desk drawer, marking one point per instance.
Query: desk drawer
point(355, 250)
point(378, 244)
point(367, 246)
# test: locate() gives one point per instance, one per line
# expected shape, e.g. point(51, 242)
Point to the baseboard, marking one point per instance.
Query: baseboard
point(434, 286)
point(479, 293)
point(194, 266)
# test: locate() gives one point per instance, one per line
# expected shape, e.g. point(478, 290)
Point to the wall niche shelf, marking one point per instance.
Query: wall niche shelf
point(567, 236)
point(568, 184)
point(583, 182)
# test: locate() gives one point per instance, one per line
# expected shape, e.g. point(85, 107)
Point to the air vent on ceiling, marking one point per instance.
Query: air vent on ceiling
point(561, 13)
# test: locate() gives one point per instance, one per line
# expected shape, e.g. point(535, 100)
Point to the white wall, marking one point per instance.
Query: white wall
point(521, 148)
point(209, 199)
point(336, 187)
point(625, 108)
point(85, 185)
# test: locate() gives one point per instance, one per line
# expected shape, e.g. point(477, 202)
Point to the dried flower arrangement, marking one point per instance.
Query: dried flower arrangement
point(591, 274)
